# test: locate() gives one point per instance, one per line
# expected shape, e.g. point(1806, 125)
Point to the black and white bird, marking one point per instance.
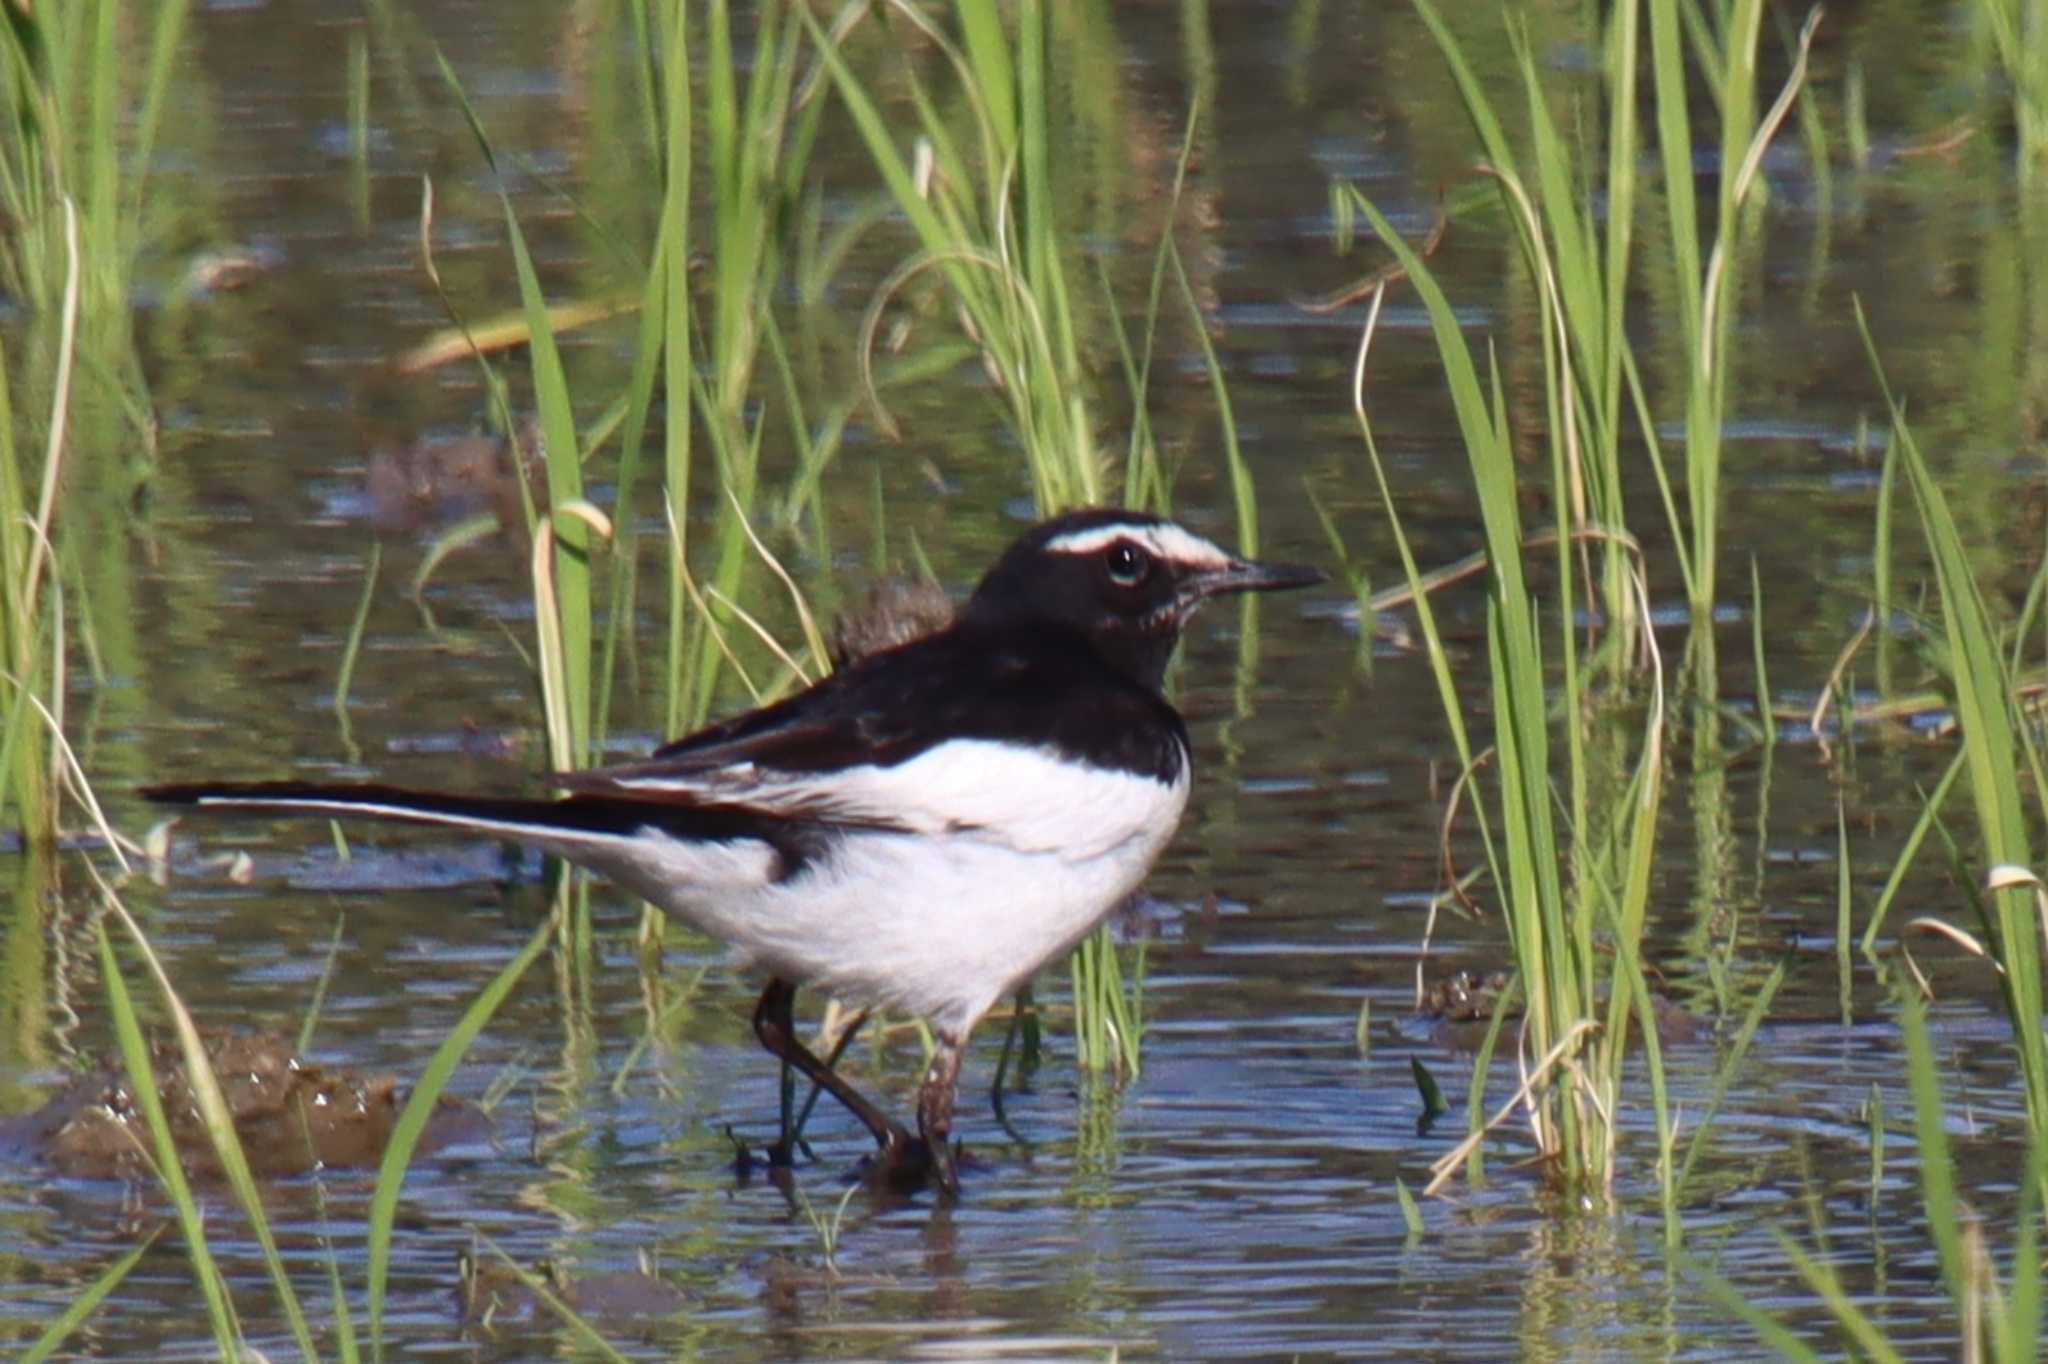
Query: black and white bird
point(921, 831)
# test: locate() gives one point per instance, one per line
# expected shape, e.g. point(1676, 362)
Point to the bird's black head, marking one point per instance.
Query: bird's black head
point(1126, 580)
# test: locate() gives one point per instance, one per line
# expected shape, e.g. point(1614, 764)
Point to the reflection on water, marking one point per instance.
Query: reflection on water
point(1238, 1201)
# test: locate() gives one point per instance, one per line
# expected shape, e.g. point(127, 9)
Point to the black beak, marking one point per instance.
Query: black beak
point(1245, 575)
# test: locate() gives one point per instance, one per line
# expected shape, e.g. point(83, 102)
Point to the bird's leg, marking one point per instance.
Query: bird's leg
point(795, 1135)
point(783, 1152)
point(995, 1089)
point(1024, 1023)
point(774, 1024)
point(790, 1134)
point(935, 1111)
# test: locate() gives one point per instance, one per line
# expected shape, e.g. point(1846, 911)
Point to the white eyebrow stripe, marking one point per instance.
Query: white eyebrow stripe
point(1168, 541)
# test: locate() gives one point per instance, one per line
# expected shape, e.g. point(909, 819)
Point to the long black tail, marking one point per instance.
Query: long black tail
point(514, 818)
point(570, 821)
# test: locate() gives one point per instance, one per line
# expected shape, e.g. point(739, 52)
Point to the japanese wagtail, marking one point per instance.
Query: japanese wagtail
point(921, 831)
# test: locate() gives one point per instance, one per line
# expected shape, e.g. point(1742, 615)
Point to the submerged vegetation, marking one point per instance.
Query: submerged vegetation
point(691, 485)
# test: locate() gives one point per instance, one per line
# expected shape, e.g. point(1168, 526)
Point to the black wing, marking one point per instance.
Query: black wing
point(1047, 690)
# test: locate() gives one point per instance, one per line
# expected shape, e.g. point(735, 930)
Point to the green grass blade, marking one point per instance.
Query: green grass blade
point(579, 1326)
point(220, 1312)
point(353, 648)
point(672, 265)
point(2020, 1322)
point(1855, 1322)
point(45, 1344)
point(1739, 1302)
point(1930, 1132)
point(995, 75)
point(220, 1130)
point(419, 1107)
point(1411, 1215)
point(1765, 720)
point(1243, 497)
point(1930, 812)
point(312, 1018)
point(1637, 992)
point(1843, 884)
point(572, 710)
point(573, 537)
point(1724, 1075)
point(1475, 422)
point(881, 142)
point(1991, 732)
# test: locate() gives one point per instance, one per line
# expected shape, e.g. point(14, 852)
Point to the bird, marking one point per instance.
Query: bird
point(920, 831)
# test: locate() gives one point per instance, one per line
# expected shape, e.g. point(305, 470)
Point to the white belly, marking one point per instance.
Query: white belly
point(939, 923)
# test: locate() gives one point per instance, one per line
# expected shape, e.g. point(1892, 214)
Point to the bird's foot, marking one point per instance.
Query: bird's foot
point(773, 1155)
point(902, 1162)
point(908, 1164)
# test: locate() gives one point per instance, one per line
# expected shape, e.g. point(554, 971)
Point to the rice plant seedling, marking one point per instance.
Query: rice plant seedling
point(1552, 935)
point(754, 140)
point(758, 139)
point(2001, 760)
point(1997, 1313)
point(563, 620)
point(2013, 29)
point(77, 133)
point(827, 1229)
point(1559, 708)
point(73, 135)
point(87, 88)
point(985, 217)
point(29, 621)
point(1411, 1213)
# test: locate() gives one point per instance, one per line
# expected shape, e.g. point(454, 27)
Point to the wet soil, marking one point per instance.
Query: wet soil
point(291, 1117)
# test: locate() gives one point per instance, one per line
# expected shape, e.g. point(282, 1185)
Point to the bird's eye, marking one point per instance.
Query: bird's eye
point(1127, 564)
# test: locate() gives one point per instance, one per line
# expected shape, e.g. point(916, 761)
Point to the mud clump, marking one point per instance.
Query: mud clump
point(1456, 1010)
point(1462, 997)
point(439, 479)
point(291, 1115)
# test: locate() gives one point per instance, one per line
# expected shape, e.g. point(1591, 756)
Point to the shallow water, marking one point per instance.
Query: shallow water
point(1237, 1200)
